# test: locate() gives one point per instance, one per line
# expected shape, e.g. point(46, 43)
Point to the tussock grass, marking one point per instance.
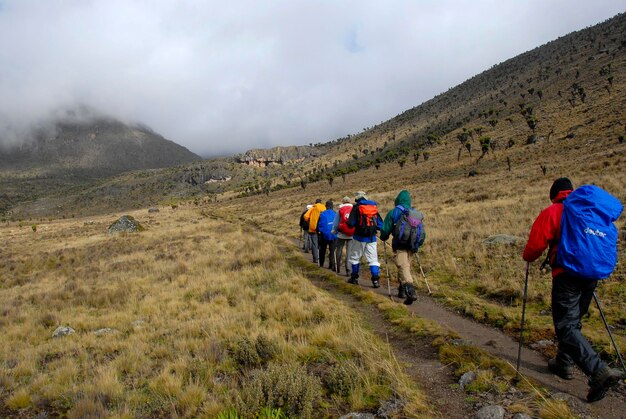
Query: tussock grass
point(205, 316)
point(484, 282)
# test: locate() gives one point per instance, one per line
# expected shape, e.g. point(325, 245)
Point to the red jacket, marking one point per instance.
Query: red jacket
point(545, 233)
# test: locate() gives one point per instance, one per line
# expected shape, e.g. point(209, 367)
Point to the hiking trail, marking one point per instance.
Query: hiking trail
point(435, 379)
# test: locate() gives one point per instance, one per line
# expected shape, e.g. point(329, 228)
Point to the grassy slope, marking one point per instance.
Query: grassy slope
point(201, 325)
point(462, 211)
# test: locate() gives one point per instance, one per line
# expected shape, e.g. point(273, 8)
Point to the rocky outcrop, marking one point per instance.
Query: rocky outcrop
point(125, 223)
point(278, 156)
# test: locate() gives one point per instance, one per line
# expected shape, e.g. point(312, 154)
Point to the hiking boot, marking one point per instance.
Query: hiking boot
point(354, 279)
point(411, 295)
point(601, 382)
point(375, 282)
point(401, 291)
point(566, 372)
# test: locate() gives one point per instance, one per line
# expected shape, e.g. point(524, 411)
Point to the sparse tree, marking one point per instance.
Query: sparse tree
point(468, 146)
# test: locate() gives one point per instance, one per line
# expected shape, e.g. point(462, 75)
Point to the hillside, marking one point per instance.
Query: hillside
point(572, 87)
point(99, 144)
point(78, 150)
point(211, 310)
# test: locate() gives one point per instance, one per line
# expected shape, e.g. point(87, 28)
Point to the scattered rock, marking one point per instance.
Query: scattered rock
point(390, 408)
point(105, 331)
point(153, 209)
point(138, 324)
point(356, 415)
point(459, 342)
point(541, 344)
point(62, 331)
point(89, 223)
point(472, 173)
point(502, 239)
point(521, 416)
point(125, 223)
point(490, 412)
point(574, 403)
point(466, 379)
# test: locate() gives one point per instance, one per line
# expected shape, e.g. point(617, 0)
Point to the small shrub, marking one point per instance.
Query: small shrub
point(265, 348)
point(288, 387)
point(340, 380)
point(245, 354)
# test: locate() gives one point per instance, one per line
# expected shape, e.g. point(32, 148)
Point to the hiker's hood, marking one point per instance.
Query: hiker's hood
point(404, 199)
point(560, 197)
point(345, 205)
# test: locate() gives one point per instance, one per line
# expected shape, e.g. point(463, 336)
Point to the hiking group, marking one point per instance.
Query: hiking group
point(577, 229)
point(354, 227)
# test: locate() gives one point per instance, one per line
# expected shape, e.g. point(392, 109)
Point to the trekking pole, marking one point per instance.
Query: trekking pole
point(300, 238)
point(595, 297)
point(521, 329)
point(387, 269)
point(423, 274)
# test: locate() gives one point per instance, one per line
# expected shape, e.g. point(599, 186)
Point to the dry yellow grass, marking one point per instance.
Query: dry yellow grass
point(461, 212)
point(199, 309)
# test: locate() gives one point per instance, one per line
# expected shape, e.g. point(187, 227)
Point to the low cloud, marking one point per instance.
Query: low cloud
point(224, 77)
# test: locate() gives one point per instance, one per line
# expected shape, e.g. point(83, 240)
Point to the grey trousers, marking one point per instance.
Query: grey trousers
point(339, 250)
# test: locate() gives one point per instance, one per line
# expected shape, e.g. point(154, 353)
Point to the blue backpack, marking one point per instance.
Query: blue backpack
point(325, 224)
point(588, 244)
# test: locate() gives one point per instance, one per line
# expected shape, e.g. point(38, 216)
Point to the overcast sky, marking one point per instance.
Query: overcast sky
point(223, 77)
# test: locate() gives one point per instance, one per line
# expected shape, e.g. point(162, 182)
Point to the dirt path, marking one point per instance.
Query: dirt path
point(416, 355)
point(533, 365)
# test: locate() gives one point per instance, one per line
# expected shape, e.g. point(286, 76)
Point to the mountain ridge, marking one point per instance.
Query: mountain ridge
point(99, 143)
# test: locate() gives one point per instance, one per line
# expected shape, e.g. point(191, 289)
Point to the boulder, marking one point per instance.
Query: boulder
point(466, 379)
point(105, 331)
point(62, 331)
point(125, 223)
point(490, 412)
point(153, 209)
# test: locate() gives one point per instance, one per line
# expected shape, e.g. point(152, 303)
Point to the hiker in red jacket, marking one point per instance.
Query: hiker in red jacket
point(571, 297)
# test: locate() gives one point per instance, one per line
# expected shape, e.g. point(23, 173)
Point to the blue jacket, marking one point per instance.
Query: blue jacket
point(325, 225)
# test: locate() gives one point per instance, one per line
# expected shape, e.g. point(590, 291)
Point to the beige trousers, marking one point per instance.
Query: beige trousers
point(403, 263)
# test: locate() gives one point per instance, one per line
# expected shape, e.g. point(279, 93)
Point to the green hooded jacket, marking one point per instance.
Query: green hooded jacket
point(403, 199)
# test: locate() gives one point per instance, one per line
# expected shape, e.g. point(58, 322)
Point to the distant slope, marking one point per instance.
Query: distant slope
point(570, 91)
point(572, 86)
point(99, 146)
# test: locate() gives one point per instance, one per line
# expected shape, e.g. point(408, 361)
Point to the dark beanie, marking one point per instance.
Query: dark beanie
point(561, 184)
point(329, 204)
